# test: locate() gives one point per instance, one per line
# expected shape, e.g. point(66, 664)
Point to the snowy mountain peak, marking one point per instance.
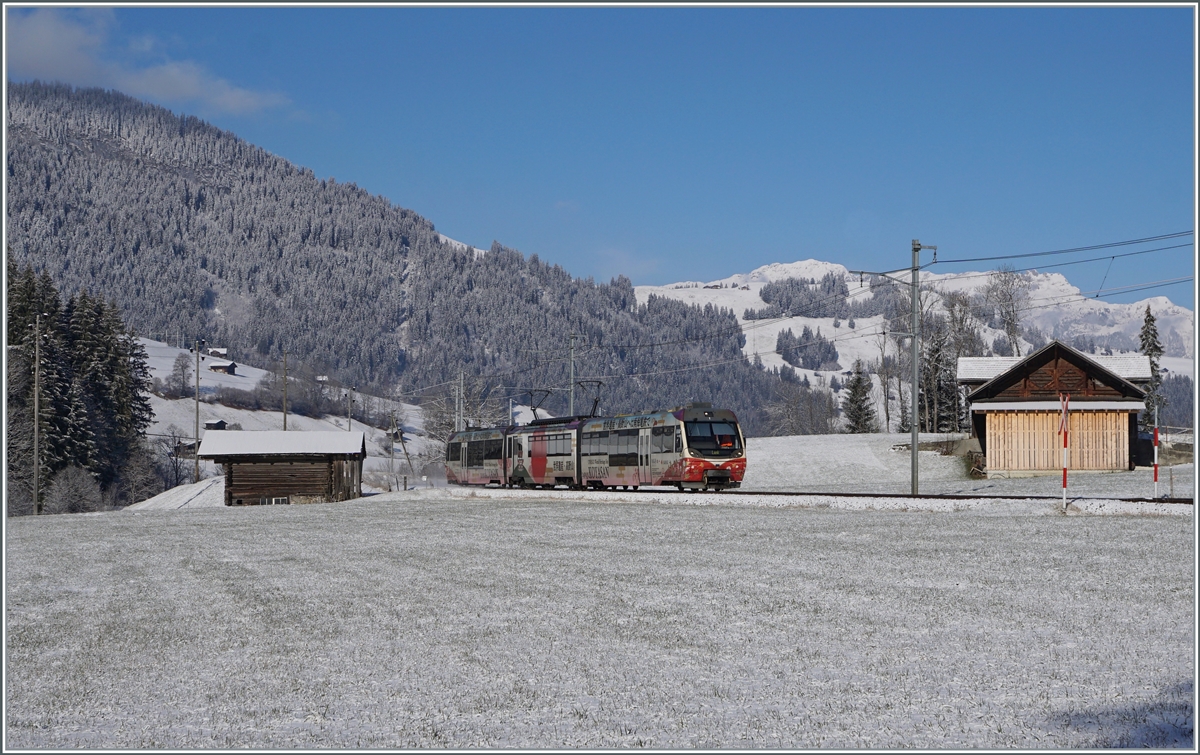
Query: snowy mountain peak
point(776, 271)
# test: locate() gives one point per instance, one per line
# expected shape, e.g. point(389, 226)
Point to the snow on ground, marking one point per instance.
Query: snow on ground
point(161, 360)
point(208, 493)
point(517, 621)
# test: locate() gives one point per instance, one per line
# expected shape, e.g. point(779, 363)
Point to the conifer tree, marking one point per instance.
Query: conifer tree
point(1151, 347)
point(860, 414)
point(91, 379)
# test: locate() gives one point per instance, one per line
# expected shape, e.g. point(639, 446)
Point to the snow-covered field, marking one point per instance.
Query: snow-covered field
point(433, 619)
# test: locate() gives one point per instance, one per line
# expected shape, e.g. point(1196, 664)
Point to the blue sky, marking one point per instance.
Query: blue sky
point(676, 144)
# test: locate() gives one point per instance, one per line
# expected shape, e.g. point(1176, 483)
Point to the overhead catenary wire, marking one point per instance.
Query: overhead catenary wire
point(1093, 247)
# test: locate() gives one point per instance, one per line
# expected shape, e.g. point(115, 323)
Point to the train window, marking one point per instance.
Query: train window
point(713, 438)
point(594, 444)
point(492, 448)
point(475, 453)
point(662, 440)
point(558, 445)
point(453, 451)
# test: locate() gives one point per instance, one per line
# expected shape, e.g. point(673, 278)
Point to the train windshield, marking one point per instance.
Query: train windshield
point(713, 438)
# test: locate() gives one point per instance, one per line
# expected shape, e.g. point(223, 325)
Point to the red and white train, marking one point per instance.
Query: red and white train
point(693, 447)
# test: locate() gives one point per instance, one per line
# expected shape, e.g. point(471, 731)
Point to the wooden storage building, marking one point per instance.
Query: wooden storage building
point(263, 467)
point(1016, 411)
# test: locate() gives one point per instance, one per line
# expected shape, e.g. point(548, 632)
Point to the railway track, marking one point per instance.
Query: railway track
point(961, 496)
point(919, 496)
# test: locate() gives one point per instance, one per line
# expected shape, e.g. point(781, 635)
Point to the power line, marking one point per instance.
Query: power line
point(967, 276)
point(1180, 234)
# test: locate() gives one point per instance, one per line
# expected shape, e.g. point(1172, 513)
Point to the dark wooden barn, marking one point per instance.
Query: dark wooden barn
point(1015, 409)
point(263, 467)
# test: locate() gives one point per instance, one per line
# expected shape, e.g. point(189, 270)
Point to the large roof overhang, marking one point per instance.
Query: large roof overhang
point(1090, 366)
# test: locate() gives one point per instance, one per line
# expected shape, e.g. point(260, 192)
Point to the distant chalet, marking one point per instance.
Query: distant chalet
point(1015, 409)
point(226, 367)
point(266, 467)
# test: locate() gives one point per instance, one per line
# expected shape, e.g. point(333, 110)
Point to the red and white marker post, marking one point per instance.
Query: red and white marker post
point(1156, 461)
point(1064, 399)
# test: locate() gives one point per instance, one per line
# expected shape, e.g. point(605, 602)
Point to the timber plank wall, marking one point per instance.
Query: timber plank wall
point(1028, 441)
point(325, 479)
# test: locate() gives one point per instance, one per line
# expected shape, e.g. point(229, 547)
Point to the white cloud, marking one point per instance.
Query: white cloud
point(74, 48)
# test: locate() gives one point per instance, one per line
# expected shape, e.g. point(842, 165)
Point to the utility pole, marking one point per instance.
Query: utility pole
point(196, 455)
point(461, 405)
point(915, 388)
point(571, 400)
point(285, 389)
point(349, 400)
point(917, 246)
point(37, 389)
point(392, 450)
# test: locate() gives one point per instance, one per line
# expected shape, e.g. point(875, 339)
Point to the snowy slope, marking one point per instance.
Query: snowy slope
point(161, 359)
point(1055, 308)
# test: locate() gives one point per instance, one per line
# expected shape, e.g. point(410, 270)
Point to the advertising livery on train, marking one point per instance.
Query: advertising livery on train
point(694, 447)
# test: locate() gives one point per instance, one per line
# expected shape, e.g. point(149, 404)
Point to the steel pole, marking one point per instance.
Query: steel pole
point(37, 465)
point(916, 354)
point(196, 455)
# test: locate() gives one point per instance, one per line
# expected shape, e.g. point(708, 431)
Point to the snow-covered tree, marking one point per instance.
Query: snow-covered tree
point(1151, 347)
point(857, 406)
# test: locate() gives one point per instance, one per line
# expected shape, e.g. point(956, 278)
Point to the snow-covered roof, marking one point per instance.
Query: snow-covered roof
point(982, 369)
point(279, 443)
point(1130, 405)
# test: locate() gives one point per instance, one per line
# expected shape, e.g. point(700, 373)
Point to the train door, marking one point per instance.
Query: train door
point(643, 475)
point(515, 458)
point(537, 457)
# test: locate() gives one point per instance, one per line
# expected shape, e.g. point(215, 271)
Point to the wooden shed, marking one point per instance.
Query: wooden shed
point(229, 368)
point(1016, 410)
point(263, 467)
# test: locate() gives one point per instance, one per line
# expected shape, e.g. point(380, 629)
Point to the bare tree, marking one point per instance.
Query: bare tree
point(1008, 292)
point(801, 409)
point(173, 469)
point(179, 382)
point(886, 367)
point(482, 407)
point(963, 340)
point(74, 490)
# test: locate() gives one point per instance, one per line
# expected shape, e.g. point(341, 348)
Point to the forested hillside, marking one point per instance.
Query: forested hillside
point(90, 378)
point(193, 233)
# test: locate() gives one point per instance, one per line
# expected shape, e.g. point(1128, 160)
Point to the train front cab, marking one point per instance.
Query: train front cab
point(714, 452)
